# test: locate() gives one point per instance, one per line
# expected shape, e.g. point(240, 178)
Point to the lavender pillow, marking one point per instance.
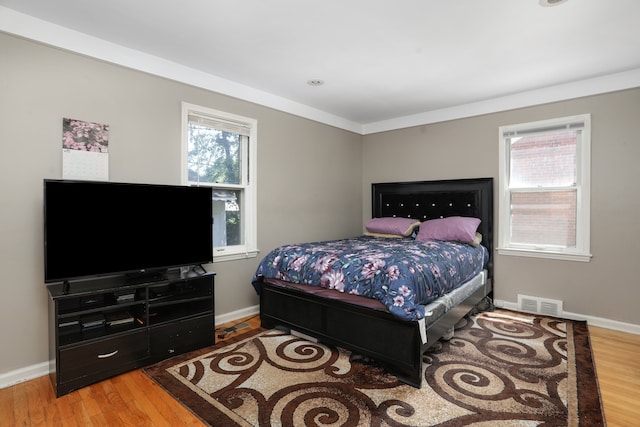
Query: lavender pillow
point(392, 225)
point(458, 228)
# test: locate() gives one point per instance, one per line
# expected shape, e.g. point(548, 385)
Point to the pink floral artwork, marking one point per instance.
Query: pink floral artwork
point(85, 136)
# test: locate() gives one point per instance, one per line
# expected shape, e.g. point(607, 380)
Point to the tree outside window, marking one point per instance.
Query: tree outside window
point(218, 154)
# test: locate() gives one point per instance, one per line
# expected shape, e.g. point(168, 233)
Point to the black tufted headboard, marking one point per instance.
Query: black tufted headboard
point(425, 200)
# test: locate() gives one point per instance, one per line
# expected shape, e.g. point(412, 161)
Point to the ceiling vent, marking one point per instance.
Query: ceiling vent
point(548, 3)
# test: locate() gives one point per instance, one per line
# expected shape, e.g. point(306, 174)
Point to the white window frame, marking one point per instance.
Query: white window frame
point(582, 251)
point(249, 186)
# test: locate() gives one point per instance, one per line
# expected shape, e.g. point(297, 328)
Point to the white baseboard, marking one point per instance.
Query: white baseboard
point(238, 314)
point(27, 373)
point(24, 374)
point(591, 320)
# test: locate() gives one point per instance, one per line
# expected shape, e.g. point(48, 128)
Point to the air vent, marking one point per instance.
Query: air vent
point(528, 304)
point(549, 307)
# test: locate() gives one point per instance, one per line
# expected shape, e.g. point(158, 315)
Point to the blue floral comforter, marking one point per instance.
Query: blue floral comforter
point(401, 273)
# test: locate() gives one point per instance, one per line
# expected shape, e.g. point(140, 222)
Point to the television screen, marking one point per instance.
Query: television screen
point(101, 228)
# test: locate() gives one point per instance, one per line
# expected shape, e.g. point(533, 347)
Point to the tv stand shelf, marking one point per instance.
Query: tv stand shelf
point(106, 326)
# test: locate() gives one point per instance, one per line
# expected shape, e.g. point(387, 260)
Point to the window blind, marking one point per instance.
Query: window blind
point(220, 124)
point(545, 129)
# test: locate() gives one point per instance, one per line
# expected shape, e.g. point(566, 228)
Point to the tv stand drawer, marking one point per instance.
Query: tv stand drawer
point(181, 336)
point(104, 358)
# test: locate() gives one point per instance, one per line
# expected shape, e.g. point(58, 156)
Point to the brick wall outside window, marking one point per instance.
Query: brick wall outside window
point(547, 216)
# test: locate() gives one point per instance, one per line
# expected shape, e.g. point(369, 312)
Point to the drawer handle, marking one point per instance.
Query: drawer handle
point(104, 356)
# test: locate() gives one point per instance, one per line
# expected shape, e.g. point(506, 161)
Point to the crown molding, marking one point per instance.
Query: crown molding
point(44, 32)
point(594, 86)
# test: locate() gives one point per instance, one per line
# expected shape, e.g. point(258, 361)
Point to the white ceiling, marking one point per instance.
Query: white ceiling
point(384, 63)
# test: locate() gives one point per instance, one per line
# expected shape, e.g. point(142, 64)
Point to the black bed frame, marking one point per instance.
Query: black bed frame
point(394, 343)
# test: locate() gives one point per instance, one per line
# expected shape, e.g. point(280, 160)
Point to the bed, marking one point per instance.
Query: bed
point(369, 326)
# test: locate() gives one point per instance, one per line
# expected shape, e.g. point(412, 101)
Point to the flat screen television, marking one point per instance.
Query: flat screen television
point(96, 228)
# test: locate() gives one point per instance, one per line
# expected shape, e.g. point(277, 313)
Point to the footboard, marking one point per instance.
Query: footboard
point(394, 343)
point(372, 333)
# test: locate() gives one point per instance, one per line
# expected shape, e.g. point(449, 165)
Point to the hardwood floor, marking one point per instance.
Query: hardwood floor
point(132, 399)
point(617, 358)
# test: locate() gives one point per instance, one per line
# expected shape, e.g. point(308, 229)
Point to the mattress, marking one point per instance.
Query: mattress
point(403, 274)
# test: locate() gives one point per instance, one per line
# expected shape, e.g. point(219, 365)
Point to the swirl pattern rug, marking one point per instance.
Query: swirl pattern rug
point(500, 369)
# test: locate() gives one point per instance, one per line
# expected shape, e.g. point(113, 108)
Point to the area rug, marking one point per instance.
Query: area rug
point(501, 368)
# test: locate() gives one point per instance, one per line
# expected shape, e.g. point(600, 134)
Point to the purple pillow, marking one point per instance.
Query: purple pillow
point(392, 225)
point(458, 228)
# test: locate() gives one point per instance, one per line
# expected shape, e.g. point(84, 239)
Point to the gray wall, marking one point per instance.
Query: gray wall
point(608, 286)
point(298, 162)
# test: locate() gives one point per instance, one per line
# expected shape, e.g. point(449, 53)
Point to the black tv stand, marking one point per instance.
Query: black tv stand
point(106, 326)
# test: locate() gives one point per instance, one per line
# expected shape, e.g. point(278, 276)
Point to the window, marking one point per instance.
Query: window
point(219, 151)
point(544, 197)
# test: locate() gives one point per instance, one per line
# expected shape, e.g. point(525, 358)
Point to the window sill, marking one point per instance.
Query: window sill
point(545, 254)
point(232, 256)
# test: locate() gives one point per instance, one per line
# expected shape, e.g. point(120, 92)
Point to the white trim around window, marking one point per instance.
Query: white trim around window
point(244, 126)
point(580, 186)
